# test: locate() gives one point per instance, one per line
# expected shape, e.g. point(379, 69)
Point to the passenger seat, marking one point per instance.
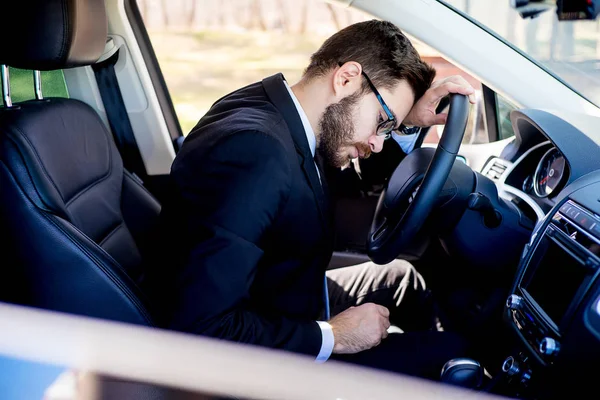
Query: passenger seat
point(76, 224)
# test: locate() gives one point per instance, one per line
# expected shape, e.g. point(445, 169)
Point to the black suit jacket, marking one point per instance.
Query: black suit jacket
point(250, 225)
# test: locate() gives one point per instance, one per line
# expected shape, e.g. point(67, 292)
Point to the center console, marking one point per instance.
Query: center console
point(560, 270)
point(554, 301)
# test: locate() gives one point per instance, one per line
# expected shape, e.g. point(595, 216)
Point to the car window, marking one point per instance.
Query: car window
point(23, 378)
point(476, 131)
point(209, 49)
point(503, 109)
point(21, 85)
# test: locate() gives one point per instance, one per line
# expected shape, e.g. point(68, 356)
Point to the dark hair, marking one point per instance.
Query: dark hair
point(384, 52)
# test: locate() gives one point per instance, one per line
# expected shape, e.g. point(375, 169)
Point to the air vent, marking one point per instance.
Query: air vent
point(494, 168)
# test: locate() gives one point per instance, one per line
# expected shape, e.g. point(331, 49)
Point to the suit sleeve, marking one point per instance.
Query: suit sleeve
point(227, 203)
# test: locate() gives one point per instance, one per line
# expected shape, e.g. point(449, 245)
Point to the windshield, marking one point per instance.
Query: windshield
point(568, 49)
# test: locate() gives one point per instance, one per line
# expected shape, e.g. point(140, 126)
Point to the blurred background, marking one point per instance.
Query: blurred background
point(208, 48)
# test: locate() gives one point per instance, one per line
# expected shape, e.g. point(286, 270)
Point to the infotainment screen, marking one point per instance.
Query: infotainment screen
point(556, 279)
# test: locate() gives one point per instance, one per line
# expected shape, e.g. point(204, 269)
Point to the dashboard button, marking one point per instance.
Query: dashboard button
point(573, 213)
point(549, 346)
point(511, 366)
point(596, 229)
point(565, 208)
point(585, 220)
point(514, 302)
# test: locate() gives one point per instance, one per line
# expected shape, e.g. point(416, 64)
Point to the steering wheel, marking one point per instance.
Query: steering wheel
point(408, 199)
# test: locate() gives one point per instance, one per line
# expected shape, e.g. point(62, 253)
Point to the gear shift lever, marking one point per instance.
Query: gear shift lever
point(463, 372)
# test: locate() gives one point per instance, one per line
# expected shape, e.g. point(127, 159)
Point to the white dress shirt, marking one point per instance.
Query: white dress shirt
point(326, 331)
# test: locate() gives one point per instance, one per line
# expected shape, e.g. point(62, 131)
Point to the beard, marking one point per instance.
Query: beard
point(337, 131)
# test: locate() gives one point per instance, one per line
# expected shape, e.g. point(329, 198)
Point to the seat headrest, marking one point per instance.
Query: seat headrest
point(52, 34)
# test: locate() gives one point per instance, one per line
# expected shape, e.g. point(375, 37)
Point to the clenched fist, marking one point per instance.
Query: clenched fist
point(359, 328)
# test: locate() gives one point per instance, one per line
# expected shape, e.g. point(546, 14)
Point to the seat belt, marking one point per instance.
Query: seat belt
point(118, 118)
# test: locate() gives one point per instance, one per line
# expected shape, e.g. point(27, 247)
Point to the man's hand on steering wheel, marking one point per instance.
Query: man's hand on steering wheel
point(417, 182)
point(423, 112)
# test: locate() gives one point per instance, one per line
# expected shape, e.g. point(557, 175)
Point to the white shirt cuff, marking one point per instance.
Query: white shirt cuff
point(327, 343)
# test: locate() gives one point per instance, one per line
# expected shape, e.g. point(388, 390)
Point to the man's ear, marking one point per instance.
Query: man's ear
point(347, 79)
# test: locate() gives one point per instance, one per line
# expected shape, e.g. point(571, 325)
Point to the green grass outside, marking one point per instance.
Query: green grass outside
point(21, 85)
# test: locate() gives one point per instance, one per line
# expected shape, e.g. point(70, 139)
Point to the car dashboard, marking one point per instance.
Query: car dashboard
point(551, 173)
point(533, 181)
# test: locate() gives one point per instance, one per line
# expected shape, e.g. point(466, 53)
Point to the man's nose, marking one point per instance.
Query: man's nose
point(376, 143)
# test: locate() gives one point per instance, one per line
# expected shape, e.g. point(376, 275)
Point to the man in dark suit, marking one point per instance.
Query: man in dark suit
point(250, 219)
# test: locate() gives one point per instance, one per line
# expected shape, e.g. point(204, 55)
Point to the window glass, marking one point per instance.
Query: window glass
point(21, 85)
point(503, 109)
point(22, 378)
point(570, 50)
point(207, 49)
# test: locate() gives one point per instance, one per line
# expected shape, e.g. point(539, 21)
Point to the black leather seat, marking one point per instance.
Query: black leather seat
point(76, 226)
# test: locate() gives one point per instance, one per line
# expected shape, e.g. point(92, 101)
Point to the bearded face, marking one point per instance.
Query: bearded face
point(338, 130)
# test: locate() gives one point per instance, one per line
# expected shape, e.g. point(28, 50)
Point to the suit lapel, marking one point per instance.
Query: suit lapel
point(324, 185)
point(279, 96)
